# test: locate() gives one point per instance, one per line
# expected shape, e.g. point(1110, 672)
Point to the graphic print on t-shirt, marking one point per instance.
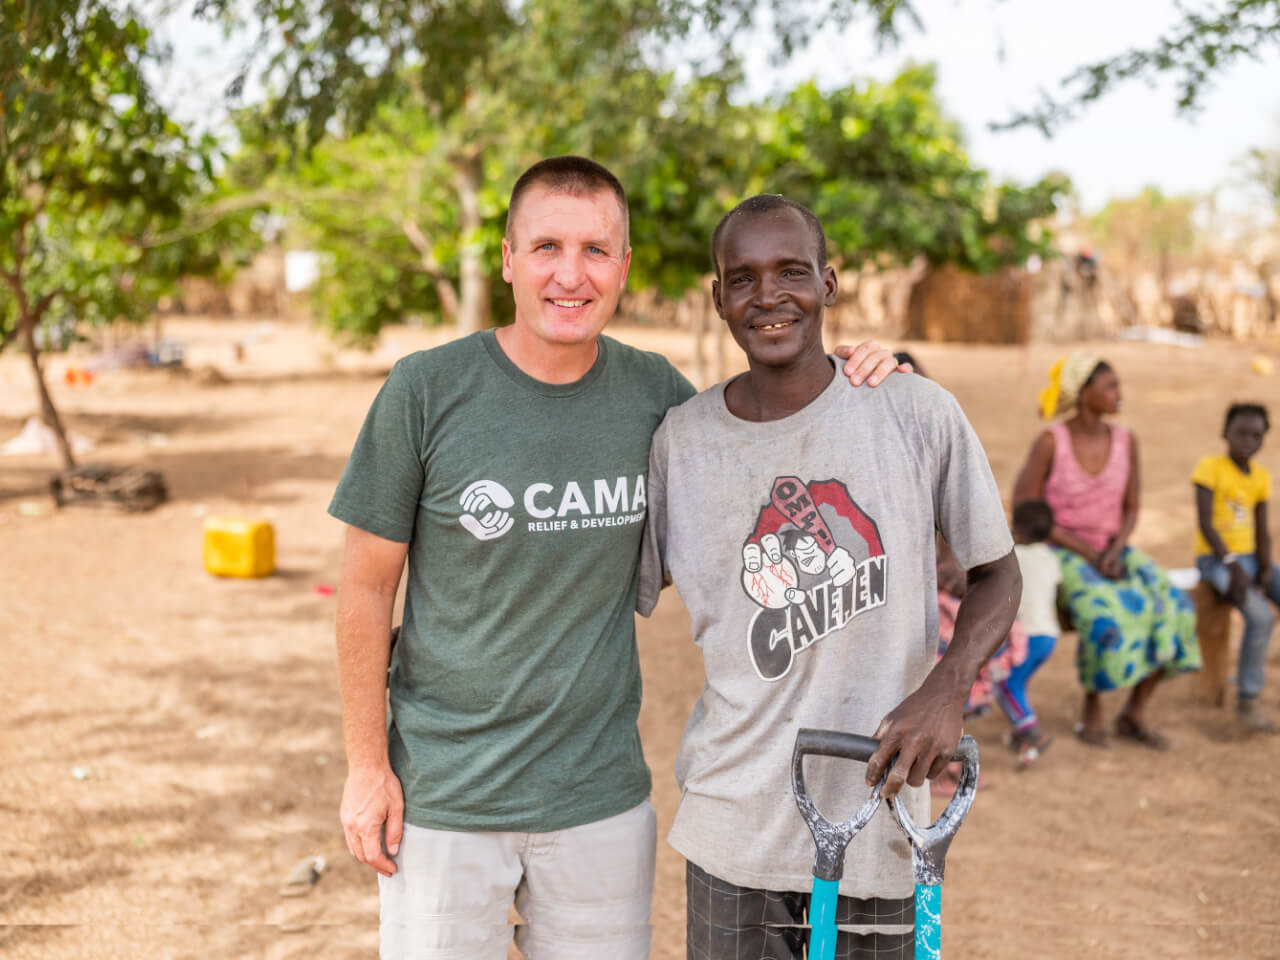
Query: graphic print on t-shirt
point(798, 565)
point(1239, 513)
point(490, 510)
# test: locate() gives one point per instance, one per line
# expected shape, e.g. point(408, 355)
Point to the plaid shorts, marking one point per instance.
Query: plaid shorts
point(728, 922)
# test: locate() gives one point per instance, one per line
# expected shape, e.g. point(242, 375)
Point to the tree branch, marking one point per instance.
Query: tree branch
point(431, 267)
point(210, 216)
point(422, 243)
point(1193, 50)
point(41, 305)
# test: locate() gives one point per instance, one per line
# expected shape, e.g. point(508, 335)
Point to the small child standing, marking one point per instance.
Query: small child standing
point(1038, 612)
point(1233, 546)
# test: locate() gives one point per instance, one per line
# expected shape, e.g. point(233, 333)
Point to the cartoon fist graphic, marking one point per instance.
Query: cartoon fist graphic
point(769, 577)
point(841, 566)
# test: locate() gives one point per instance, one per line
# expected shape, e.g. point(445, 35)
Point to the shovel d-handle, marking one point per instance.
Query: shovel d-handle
point(929, 845)
point(831, 839)
point(929, 850)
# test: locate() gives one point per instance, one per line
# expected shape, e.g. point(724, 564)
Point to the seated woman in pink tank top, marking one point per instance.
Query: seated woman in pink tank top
point(1134, 626)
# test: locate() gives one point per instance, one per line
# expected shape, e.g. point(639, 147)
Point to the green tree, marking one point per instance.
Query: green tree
point(396, 163)
point(498, 83)
point(887, 173)
point(1149, 228)
point(381, 209)
point(92, 171)
point(880, 163)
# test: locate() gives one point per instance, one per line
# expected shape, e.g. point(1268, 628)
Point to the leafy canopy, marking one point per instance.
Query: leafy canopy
point(92, 169)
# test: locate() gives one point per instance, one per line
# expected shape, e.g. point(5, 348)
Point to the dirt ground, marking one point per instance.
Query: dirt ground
point(200, 716)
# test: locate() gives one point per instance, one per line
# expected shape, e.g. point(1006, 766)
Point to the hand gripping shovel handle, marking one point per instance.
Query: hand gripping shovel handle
point(929, 850)
point(928, 847)
point(831, 839)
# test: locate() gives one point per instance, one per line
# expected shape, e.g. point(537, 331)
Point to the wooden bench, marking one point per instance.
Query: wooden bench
point(1213, 630)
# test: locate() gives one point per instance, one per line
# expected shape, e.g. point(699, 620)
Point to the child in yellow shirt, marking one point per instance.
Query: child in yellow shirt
point(1233, 545)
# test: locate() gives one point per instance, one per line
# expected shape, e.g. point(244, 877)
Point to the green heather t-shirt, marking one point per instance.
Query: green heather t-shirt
point(515, 685)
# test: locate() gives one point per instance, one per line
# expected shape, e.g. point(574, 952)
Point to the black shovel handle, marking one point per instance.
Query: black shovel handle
point(833, 743)
point(850, 746)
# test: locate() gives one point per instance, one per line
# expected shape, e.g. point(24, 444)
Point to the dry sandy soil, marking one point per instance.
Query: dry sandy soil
point(204, 711)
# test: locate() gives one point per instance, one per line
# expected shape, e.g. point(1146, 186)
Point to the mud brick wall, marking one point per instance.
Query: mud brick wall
point(950, 305)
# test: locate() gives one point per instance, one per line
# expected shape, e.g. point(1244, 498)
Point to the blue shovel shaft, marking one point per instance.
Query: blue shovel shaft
point(822, 919)
point(823, 930)
point(928, 921)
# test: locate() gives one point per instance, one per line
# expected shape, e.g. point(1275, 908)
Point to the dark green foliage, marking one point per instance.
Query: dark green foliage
point(879, 163)
point(94, 175)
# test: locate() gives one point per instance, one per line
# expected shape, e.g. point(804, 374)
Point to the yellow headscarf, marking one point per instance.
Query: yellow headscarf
point(1066, 377)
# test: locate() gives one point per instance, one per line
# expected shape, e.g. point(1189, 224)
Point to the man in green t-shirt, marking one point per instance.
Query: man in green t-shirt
point(509, 469)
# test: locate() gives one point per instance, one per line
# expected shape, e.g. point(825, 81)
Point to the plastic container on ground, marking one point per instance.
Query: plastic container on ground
point(239, 547)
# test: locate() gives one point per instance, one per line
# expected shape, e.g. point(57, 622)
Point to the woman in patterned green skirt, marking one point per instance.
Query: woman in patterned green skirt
point(1134, 626)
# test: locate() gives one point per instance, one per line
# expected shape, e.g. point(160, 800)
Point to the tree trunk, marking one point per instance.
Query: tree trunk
point(48, 412)
point(473, 279)
point(698, 321)
point(444, 289)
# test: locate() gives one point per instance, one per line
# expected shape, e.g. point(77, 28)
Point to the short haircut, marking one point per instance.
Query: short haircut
point(768, 203)
point(1245, 409)
point(572, 175)
point(1034, 518)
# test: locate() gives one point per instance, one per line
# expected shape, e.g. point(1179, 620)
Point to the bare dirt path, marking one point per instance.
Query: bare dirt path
point(203, 713)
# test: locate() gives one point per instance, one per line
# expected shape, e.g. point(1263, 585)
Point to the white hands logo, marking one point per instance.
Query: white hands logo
point(486, 504)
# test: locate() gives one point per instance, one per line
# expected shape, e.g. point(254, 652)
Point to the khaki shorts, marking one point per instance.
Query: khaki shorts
point(584, 892)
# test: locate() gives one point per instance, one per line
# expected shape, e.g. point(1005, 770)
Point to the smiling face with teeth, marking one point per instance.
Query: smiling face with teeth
point(566, 258)
point(772, 289)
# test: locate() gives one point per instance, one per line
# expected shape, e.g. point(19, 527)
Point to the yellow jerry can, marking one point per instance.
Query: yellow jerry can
point(235, 547)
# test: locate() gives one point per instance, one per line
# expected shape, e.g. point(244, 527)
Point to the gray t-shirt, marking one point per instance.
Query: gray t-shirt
point(804, 551)
point(515, 685)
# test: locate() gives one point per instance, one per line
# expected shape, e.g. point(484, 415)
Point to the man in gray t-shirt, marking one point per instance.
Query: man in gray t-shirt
point(797, 518)
point(508, 469)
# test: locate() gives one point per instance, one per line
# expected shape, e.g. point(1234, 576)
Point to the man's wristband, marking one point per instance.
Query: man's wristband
point(1230, 558)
